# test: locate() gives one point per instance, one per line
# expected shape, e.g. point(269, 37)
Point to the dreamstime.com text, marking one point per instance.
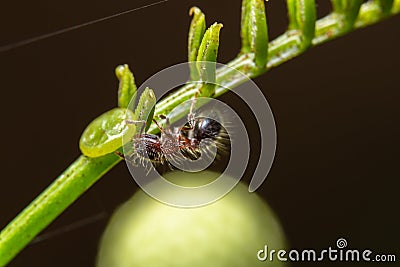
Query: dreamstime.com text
point(337, 254)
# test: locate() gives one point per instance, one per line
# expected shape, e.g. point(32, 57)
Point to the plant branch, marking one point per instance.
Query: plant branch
point(85, 171)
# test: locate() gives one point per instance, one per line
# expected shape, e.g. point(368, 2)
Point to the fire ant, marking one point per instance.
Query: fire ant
point(179, 143)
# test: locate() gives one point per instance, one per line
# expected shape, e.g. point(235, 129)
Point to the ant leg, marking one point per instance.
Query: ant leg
point(167, 122)
point(128, 158)
point(191, 111)
point(162, 116)
point(137, 122)
point(158, 126)
point(119, 154)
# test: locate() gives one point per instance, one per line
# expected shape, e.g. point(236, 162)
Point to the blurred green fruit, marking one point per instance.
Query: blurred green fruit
point(229, 232)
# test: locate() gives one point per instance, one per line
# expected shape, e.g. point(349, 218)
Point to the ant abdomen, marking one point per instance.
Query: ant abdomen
point(148, 146)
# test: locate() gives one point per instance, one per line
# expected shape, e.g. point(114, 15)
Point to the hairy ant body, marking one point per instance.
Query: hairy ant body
point(179, 143)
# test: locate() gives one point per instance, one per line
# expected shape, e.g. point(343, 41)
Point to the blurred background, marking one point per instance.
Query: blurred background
point(336, 108)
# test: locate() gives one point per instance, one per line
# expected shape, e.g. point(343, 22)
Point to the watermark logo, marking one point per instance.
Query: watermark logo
point(182, 143)
point(341, 243)
point(340, 253)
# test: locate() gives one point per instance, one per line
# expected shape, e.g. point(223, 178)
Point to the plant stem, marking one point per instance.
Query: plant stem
point(84, 172)
point(74, 181)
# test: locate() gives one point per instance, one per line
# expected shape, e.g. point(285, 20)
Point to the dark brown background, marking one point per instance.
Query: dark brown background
point(336, 108)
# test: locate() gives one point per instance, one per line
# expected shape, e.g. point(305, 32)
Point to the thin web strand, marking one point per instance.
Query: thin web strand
point(71, 227)
point(48, 35)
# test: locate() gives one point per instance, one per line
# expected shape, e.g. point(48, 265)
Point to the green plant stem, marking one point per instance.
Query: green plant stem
point(74, 181)
point(84, 172)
